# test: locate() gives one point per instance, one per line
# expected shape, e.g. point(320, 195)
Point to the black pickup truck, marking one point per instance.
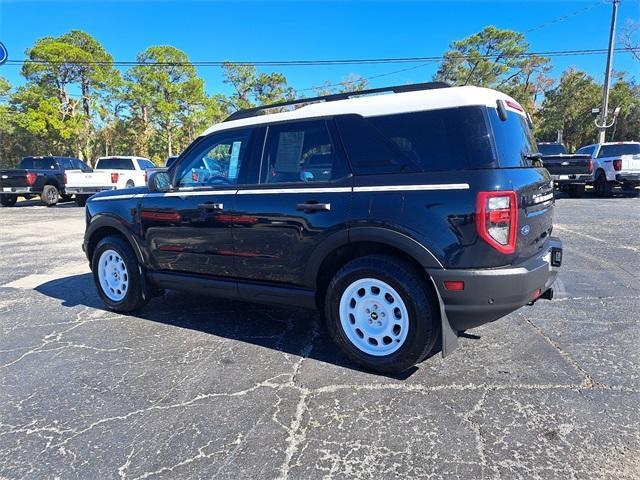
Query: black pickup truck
point(570, 172)
point(43, 176)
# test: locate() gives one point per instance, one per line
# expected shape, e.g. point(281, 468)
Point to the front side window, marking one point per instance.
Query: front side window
point(301, 152)
point(216, 161)
point(115, 164)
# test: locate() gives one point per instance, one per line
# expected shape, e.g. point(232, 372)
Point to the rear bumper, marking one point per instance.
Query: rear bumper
point(490, 294)
point(628, 178)
point(87, 190)
point(568, 179)
point(9, 190)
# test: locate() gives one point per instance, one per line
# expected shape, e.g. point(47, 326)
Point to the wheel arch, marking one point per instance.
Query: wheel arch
point(104, 226)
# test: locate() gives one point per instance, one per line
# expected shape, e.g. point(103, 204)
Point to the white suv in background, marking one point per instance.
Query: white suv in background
point(614, 163)
point(110, 173)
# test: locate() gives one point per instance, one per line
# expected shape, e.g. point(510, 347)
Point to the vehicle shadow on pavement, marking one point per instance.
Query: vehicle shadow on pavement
point(288, 330)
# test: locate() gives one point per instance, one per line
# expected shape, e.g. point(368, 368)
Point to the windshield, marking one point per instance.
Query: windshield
point(115, 164)
point(551, 148)
point(619, 149)
point(38, 163)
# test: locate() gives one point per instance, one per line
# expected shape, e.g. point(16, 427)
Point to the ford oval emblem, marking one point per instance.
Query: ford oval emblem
point(525, 230)
point(3, 54)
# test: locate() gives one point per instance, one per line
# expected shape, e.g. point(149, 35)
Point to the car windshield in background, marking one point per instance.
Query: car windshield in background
point(115, 164)
point(38, 163)
point(513, 139)
point(551, 148)
point(619, 149)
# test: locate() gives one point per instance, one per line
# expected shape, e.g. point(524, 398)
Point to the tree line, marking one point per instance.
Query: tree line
point(75, 102)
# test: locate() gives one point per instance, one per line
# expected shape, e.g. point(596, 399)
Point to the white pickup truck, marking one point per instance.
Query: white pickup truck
point(614, 163)
point(110, 173)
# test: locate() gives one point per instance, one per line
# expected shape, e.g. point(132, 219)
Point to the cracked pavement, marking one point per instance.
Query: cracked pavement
point(195, 387)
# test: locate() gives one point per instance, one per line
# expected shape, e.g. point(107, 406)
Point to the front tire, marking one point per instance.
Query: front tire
point(8, 200)
point(381, 313)
point(49, 195)
point(116, 274)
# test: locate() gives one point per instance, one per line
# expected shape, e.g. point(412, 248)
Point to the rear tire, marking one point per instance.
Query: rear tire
point(602, 186)
point(81, 200)
point(116, 274)
point(49, 195)
point(129, 184)
point(629, 187)
point(8, 200)
point(381, 313)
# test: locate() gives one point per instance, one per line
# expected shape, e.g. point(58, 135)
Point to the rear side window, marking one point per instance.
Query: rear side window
point(513, 139)
point(301, 152)
point(619, 149)
point(115, 164)
point(38, 163)
point(66, 163)
point(435, 140)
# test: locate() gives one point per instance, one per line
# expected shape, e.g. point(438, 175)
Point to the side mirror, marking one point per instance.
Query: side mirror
point(159, 182)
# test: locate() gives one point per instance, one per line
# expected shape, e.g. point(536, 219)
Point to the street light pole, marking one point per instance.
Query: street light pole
point(607, 74)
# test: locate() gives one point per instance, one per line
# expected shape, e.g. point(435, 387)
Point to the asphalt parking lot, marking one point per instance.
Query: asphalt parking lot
point(194, 387)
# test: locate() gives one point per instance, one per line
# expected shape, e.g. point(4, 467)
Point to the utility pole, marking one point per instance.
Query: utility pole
point(607, 75)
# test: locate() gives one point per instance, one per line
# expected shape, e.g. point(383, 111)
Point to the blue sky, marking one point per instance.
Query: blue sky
point(244, 30)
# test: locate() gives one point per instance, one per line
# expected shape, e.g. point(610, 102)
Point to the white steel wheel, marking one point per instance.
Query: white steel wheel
point(113, 275)
point(374, 317)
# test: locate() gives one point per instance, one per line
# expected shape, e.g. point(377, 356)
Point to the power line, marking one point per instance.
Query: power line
point(357, 61)
point(567, 16)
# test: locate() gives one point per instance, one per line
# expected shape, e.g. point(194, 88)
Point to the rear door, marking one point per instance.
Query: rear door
point(189, 228)
point(302, 197)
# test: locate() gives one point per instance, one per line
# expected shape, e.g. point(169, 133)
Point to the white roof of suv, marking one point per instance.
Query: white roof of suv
point(375, 105)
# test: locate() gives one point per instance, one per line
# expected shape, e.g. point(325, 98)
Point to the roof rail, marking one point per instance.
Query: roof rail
point(255, 111)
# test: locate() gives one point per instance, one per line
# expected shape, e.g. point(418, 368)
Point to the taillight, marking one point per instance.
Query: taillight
point(617, 165)
point(590, 165)
point(31, 178)
point(145, 176)
point(497, 219)
point(114, 177)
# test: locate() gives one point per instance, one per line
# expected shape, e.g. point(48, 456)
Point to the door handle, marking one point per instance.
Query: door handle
point(313, 207)
point(211, 206)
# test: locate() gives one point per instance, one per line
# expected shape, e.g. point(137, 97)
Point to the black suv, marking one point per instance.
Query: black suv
point(404, 218)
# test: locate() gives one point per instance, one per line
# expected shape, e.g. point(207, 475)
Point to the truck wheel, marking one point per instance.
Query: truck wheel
point(576, 191)
point(629, 187)
point(602, 186)
point(130, 184)
point(8, 200)
point(116, 274)
point(81, 200)
point(380, 312)
point(49, 195)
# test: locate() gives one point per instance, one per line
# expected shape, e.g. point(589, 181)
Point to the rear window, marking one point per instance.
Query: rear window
point(619, 149)
point(38, 163)
point(551, 148)
point(435, 140)
point(115, 164)
point(513, 138)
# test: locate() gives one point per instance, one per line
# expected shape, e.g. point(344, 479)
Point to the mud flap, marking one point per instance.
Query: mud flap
point(449, 335)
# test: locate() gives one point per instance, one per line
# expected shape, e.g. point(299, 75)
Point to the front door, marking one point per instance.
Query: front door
point(303, 197)
point(189, 228)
